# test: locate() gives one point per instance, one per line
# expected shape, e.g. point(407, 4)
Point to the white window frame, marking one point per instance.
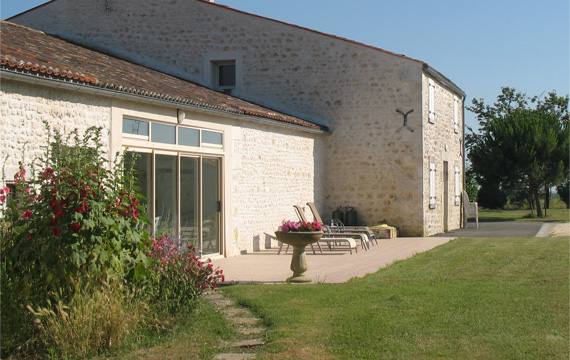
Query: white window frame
point(176, 145)
point(431, 101)
point(457, 179)
point(456, 114)
point(432, 184)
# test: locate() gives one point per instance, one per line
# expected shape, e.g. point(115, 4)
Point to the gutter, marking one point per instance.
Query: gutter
point(444, 80)
point(73, 85)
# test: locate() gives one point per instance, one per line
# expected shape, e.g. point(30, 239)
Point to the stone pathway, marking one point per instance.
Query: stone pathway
point(247, 325)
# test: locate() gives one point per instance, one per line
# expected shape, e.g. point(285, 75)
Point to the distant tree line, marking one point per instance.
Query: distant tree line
point(521, 150)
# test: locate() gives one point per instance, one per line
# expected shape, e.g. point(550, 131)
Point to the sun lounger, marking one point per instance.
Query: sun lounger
point(338, 227)
point(334, 235)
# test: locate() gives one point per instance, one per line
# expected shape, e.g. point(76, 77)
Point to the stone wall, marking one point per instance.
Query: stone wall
point(266, 169)
point(25, 107)
point(442, 144)
point(352, 88)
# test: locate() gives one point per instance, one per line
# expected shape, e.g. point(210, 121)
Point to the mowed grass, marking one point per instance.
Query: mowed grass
point(552, 215)
point(490, 298)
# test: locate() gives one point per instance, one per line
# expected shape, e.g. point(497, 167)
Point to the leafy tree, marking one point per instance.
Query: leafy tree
point(563, 190)
point(471, 185)
point(522, 144)
point(526, 148)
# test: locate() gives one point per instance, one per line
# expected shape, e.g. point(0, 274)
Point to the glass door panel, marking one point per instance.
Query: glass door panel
point(210, 206)
point(189, 200)
point(165, 194)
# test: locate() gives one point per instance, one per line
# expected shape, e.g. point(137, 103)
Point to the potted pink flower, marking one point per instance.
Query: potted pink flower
point(299, 234)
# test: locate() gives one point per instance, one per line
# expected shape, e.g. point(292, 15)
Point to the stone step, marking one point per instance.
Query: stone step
point(250, 331)
point(245, 320)
point(237, 312)
point(229, 356)
point(224, 303)
point(248, 343)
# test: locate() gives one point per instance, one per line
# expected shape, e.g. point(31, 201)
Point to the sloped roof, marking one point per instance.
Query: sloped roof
point(25, 50)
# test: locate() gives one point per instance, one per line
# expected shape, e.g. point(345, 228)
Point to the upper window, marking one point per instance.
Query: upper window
point(171, 134)
point(224, 75)
point(135, 127)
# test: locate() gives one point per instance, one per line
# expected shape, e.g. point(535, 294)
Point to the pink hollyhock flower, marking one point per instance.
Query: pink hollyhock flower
point(27, 214)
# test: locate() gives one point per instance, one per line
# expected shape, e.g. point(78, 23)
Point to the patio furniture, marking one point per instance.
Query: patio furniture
point(338, 227)
point(332, 236)
point(349, 242)
point(470, 210)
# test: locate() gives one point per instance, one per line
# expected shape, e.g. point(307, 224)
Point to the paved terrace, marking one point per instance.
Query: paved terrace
point(266, 266)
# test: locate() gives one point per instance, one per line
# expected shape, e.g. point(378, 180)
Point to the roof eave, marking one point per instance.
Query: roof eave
point(72, 85)
point(436, 75)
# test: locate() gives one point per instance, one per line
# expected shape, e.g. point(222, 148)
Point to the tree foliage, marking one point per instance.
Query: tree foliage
point(520, 148)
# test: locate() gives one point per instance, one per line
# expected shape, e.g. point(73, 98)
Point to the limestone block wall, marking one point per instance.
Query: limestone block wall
point(442, 144)
point(25, 107)
point(266, 169)
point(271, 171)
point(352, 88)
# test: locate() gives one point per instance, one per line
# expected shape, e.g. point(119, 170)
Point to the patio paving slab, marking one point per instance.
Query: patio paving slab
point(266, 266)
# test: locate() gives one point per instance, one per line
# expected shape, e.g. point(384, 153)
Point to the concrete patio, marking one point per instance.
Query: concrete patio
point(266, 266)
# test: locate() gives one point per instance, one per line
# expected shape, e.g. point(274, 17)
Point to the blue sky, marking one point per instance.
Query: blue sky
point(480, 45)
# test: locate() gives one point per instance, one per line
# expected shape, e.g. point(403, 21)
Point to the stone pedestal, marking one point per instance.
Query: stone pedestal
point(299, 240)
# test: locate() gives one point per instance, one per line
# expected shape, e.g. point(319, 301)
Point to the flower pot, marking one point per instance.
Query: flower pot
point(299, 240)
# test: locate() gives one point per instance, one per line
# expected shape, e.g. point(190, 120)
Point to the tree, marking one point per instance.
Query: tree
point(524, 148)
point(563, 191)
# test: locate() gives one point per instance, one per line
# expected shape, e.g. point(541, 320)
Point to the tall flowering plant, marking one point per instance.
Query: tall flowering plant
point(292, 226)
point(72, 216)
point(177, 276)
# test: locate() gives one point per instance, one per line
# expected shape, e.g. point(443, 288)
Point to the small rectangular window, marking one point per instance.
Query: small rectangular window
point(227, 75)
point(135, 127)
point(188, 137)
point(212, 138)
point(165, 134)
point(224, 75)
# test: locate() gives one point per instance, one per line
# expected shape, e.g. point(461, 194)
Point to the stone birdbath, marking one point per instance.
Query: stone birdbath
point(299, 240)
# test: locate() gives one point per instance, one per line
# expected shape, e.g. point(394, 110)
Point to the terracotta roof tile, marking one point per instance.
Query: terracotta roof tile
point(26, 50)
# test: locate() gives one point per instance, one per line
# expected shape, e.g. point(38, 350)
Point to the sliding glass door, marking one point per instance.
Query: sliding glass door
point(183, 198)
point(211, 205)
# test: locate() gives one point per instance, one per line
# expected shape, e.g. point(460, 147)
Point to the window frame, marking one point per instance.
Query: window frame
point(149, 139)
point(216, 67)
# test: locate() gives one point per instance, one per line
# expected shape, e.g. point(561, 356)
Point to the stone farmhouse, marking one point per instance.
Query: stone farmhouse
point(238, 117)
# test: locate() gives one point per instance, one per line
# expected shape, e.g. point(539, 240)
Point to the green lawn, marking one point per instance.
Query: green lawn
point(553, 215)
point(495, 298)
